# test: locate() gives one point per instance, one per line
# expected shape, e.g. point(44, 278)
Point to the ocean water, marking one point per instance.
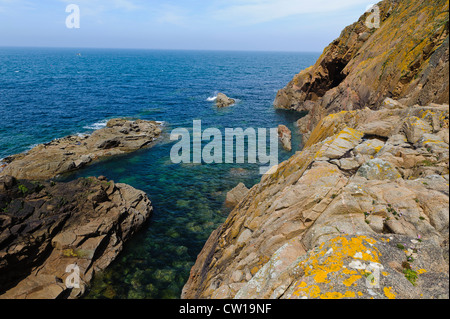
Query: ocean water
point(51, 93)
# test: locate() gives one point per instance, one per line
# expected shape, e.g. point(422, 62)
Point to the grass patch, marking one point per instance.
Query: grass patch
point(427, 163)
point(411, 275)
point(23, 189)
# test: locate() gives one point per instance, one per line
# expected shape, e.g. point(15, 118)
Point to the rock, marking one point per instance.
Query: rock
point(347, 164)
point(414, 128)
point(363, 36)
point(369, 147)
point(377, 169)
point(285, 136)
point(391, 104)
point(63, 155)
point(343, 205)
point(345, 141)
point(236, 195)
point(7, 182)
point(63, 226)
point(224, 101)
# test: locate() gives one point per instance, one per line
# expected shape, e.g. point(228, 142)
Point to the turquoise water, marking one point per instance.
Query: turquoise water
point(50, 93)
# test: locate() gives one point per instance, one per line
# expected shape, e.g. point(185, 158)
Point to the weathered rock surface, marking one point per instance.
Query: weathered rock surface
point(63, 155)
point(47, 227)
point(224, 101)
point(236, 195)
point(406, 59)
point(285, 136)
point(367, 196)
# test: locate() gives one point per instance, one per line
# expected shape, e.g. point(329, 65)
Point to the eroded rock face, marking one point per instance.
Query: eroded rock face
point(63, 155)
point(47, 229)
point(359, 190)
point(405, 59)
point(224, 101)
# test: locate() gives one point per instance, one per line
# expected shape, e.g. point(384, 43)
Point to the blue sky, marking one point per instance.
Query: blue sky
point(263, 25)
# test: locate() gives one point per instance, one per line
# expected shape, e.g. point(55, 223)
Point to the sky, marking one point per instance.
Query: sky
point(255, 25)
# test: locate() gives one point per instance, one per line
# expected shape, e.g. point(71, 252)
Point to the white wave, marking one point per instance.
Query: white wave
point(29, 148)
point(162, 123)
point(213, 98)
point(96, 126)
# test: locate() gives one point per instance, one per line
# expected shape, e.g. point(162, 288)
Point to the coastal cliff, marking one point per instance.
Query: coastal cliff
point(363, 210)
point(406, 59)
point(368, 192)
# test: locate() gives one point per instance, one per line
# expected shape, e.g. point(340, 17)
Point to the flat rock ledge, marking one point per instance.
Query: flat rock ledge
point(50, 232)
point(67, 154)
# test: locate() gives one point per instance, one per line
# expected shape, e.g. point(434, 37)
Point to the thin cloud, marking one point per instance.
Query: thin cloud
point(93, 7)
point(259, 11)
point(171, 14)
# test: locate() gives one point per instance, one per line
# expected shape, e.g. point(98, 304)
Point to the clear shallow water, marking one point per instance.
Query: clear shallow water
point(50, 93)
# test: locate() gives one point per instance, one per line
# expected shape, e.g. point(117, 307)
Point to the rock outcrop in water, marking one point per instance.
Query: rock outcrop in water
point(361, 212)
point(406, 59)
point(47, 228)
point(285, 136)
point(224, 101)
point(236, 195)
point(67, 154)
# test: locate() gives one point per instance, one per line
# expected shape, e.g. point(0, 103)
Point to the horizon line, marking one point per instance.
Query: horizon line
point(151, 49)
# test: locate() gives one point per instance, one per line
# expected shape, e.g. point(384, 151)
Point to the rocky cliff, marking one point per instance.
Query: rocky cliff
point(52, 232)
point(406, 59)
point(361, 212)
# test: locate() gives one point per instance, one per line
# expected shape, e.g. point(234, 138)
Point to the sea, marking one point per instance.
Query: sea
point(48, 93)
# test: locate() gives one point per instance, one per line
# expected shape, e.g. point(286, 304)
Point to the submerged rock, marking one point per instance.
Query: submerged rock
point(63, 155)
point(224, 101)
point(52, 232)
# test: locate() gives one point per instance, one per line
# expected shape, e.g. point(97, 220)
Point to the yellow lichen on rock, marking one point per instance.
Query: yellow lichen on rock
point(319, 265)
point(350, 281)
point(388, 293)
point(337, 295)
